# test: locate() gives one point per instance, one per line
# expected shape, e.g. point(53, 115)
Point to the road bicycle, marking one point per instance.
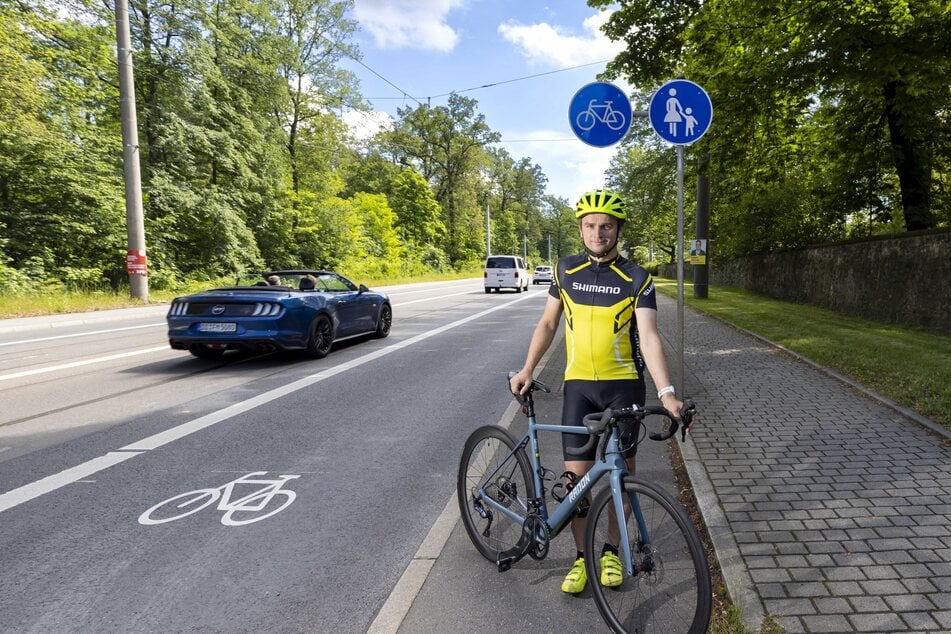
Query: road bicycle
point(253, 507)
point(502, 491)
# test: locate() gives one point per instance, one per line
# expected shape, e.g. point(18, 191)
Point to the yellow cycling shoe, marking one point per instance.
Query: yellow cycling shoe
point(576, 579)
point(610, 570)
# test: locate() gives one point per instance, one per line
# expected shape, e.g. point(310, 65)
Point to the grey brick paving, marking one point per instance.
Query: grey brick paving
point(840, 507)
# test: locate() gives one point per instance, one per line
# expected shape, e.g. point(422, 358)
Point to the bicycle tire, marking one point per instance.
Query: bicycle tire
point(674, 595)
point(488, 451)
point(190, 498)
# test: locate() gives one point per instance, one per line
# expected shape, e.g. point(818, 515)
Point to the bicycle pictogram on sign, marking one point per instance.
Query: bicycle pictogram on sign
point(267, 499)
point(602, 112)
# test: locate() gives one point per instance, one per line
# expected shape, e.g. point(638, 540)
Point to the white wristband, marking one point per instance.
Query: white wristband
point(666, 390)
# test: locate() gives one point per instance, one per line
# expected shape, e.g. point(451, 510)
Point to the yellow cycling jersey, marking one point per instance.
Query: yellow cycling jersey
point(599, 300)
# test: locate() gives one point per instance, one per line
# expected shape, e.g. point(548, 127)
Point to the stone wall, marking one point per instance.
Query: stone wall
point(902, 279)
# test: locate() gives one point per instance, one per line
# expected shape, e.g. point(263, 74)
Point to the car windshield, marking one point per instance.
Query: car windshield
point(283, 280)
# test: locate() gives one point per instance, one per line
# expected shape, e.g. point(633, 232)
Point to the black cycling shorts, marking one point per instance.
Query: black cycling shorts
point(586, 397)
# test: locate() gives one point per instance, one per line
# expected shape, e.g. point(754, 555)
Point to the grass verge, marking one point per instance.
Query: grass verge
point(908, 366)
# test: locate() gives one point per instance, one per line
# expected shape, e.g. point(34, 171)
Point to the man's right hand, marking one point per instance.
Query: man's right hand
point(520, 381)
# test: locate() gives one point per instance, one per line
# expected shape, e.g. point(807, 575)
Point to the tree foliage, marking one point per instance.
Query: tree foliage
point(830, 116)
point(246, 162)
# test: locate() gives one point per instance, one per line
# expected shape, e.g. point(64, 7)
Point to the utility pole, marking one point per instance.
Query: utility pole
point(136, 265)
point(488, 232)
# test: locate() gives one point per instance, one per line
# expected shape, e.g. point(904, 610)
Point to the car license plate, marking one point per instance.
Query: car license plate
point(217, 327)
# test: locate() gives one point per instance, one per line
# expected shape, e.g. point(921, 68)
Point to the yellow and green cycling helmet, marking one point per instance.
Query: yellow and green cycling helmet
point(600, 201)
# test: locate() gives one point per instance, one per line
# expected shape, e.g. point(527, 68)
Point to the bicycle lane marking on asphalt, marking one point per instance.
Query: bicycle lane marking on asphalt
point(398, 604)
point(28, 492)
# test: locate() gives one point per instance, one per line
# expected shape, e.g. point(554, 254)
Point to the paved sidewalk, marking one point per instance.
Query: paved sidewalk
point(830, 511)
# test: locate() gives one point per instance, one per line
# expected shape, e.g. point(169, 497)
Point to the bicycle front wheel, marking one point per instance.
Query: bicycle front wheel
point(670, 590)
point(490, 465)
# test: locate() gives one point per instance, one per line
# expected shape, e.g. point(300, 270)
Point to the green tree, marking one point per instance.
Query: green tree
point(823, 109)
point(60, 206)
point(447, 145)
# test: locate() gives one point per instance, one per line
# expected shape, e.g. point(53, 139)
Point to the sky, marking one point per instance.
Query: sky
point(521, 60)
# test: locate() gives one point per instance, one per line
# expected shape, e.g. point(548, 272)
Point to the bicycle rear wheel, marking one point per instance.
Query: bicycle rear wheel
point(671, 589)
point(488, 464)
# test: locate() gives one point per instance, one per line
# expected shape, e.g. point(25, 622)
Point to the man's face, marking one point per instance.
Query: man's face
point(599, 232)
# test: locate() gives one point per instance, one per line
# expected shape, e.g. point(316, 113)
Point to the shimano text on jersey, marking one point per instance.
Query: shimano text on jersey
point(594, 288)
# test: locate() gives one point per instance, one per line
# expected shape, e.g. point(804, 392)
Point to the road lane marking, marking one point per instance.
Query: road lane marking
point(51, 483)
point(76, 364)
point(390, 617)
point(79, 334)
point(416, 301)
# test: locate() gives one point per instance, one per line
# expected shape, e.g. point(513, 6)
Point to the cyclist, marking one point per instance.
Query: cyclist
point(610, 312)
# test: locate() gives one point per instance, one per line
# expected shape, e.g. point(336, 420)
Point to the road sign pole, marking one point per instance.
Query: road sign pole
point(680, 270)
point(680, 113)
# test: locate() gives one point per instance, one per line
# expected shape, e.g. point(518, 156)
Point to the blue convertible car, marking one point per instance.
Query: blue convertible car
point(287, 310)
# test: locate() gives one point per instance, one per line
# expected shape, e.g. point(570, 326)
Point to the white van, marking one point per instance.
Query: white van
point(505, 271)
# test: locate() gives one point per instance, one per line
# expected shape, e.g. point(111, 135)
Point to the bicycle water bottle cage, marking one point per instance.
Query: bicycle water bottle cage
point(568, 481)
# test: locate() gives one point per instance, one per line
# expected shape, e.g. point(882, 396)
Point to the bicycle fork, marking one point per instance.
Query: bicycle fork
point(618, 495)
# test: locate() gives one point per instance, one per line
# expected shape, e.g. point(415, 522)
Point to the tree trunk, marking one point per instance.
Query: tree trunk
point(912, 162)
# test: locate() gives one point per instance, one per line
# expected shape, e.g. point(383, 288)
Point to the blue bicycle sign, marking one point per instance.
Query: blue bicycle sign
point(600, 114)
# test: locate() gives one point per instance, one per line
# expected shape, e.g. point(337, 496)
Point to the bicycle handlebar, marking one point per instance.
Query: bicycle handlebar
point(599, 422)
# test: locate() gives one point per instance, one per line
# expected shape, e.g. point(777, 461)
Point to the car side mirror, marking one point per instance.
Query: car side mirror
point(363, 288)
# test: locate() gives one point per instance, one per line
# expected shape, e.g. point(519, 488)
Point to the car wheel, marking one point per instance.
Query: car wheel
point(518, 289)
point(202, 351)
point(488, 290)
point(321, 338)
point(384, 322)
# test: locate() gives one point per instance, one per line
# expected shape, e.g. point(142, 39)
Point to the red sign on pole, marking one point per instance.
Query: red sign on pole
point(135, 263)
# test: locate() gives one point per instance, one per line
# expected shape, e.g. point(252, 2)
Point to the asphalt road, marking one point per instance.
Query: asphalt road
point(102, 423)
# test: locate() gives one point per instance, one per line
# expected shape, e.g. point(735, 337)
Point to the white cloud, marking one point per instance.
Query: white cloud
point(571, 166)
point(409, 23)
point(545, 45)
point(364, 125)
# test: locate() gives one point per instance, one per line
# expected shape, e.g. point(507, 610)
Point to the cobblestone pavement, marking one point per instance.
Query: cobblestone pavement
point(830, 511)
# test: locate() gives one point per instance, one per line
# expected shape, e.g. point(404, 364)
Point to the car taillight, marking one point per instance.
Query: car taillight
point(516, 274)
point(486, 274)
point(265, 309)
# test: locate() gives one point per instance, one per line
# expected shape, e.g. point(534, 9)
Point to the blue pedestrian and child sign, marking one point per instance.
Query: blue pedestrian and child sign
point(680, 112)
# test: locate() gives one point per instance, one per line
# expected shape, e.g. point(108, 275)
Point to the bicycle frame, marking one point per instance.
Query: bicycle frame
point(613, 464)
